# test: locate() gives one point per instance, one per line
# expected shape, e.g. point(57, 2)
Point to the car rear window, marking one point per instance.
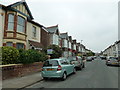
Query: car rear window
point(112, 58)
point(51, 63)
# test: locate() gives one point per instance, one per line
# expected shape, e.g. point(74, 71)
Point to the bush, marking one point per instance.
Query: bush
point(10, 55)
point(57, 51)
point(30, 56)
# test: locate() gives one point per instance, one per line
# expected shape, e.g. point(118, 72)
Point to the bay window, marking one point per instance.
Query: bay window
point(10, 22)
point(9, 44)
point(21, 24)
point(20, 46)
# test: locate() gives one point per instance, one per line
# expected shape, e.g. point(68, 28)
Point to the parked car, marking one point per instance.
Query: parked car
point(89, 59)
point(103, 57)
point(57, 68)
point(112, 61)
point(77, 61)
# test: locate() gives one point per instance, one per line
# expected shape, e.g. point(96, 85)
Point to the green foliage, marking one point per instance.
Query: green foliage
point(91, 54)
point(30, 56)
point(9, 55)
point(57, 52)
point(12, 55)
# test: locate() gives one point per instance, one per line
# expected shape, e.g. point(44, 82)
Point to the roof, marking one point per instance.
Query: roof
point(74, 41)
point(52, 29)
point(18, 3)
point(33, 22)
point(64, 35)
point(35, 44)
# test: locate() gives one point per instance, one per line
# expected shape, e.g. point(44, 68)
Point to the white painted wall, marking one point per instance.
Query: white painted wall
point(30, 34)
point(65, 43)
point(70, 45)
point(74, 47)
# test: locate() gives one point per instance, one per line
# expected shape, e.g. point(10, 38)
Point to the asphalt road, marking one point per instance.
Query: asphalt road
point(95, 75)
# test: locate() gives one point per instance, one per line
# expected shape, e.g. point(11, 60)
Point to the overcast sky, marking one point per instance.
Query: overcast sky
point(93, 21)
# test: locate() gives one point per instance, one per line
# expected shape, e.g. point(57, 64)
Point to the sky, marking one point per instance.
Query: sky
point(95, 22)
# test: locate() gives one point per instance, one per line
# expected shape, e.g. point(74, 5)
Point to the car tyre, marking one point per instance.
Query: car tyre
point(45, 78)
point(74, 71)
point(64, 77)
point(83, 65)
point(80, 68)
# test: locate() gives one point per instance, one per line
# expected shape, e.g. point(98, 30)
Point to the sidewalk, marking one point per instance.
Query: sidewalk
point(21, 82)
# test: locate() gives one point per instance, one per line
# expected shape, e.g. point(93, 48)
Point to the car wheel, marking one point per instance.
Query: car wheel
point(80, 68)
point(64, 77)
point(45, 78)
point(83, 65)
point(74, 71)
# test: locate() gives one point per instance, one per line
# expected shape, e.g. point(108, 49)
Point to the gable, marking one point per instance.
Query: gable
point(22, 8)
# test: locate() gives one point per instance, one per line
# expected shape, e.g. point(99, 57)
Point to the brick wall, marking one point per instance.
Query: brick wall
point(45, 38)
point(20, 70)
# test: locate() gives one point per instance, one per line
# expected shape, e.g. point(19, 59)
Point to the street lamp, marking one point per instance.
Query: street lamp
point(81, 47)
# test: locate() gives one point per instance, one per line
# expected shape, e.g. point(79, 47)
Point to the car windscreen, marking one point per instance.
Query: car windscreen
point(51, 63)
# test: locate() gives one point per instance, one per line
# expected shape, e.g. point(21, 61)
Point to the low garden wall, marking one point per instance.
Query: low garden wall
point(19, 70)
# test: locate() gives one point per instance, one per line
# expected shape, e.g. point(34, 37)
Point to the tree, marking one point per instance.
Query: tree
point(57, 51)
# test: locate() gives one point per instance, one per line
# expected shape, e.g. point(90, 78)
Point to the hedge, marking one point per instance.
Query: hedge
point(11, 55)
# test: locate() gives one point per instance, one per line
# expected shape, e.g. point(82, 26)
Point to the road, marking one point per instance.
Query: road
point(95, 75)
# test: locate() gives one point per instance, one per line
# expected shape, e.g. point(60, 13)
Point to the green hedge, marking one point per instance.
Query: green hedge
point(11, 55)
point(30, 56)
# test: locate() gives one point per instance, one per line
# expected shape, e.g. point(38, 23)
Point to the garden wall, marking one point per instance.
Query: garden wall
point(19, 70)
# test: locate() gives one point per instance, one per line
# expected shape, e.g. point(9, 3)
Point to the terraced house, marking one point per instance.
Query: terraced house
point(113, 50)
point(18, 28)
point(54, 35)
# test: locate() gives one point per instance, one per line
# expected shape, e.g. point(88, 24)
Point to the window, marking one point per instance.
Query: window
point(20, 46)
point(64, 62)
point(21, 24)
point(34, 31)
point(10, 22)
point(9, 44)
point(51, 63)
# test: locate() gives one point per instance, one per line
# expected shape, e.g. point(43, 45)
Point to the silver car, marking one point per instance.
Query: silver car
point(57, 68)
point(113, 61)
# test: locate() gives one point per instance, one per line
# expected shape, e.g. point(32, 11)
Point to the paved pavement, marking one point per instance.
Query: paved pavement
point(95, 75)
point(21, 82)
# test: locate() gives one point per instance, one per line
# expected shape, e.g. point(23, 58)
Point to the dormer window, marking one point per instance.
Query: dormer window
point(21, 24)
point(10, 22)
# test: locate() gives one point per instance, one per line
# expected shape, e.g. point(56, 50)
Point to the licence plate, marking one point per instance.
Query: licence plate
point(50, 69)
point(114, 63)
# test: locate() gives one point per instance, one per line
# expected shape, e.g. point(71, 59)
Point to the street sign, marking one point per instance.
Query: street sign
point(49, 51)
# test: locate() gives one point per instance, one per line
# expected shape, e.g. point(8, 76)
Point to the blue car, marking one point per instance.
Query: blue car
point(57, 68)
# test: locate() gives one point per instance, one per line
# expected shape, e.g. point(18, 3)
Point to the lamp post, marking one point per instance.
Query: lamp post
point(81, 48)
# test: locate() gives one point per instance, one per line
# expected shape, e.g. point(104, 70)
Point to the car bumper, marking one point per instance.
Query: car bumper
point(57, 74)
point(108, 63)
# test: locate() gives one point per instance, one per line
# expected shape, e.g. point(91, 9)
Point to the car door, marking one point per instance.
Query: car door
point(70, 66)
